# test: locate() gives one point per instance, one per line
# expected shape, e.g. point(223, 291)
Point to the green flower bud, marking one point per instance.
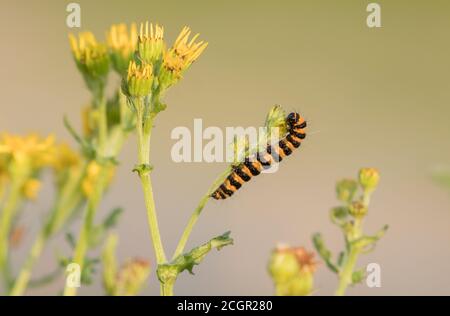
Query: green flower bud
point(150, 44)
point(139, 80)
point(92, 59)
point(292, 270)
point(132, 277)
point(346, 189)
point(358, 210)
point(276, 118)
point(369, 178)
point(122, 45)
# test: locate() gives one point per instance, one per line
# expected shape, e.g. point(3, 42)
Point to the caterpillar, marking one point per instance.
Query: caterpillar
point(274, 153)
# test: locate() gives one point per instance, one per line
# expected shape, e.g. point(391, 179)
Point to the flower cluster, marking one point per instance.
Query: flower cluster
point(23, 157)
point(155, 66)
point(355, 197)
point(292, 270)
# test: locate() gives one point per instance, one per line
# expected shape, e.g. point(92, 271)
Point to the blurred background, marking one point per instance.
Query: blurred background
point(373, 97)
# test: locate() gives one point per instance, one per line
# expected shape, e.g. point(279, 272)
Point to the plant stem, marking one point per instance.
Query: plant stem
point(345, 277)
point(167, 288)
point(65, 203)
point(196, 214)
point(83, 241)
point(22, 280)
point(6, 220)
point(103, 121)
point(346, 274)
point(144, 136)
point(190, 225)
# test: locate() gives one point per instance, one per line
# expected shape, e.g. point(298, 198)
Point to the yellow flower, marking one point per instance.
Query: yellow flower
point(91, 58)
point(64, 157)
point(150, 43)
point(122, 45)
point(180, 57)
point(189, 51)
point(131, 277)
point(292, 270)
point(93, 171)
point(139, 79)
point(30, 147)
point(31, 188)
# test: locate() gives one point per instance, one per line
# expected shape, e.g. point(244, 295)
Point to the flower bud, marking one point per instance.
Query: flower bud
point(276, 119)
point(132, 277)
point(91, 58)
point(358, 210)
point(292, 270)
point(150, 45)
point(89, 183)
point(31, 188)
point(122, 45)
point(346, 189)
point(369, 178)
point(180, 57)
point(139, 80)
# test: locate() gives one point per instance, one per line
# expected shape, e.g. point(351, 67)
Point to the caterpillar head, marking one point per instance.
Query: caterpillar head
point(292, 119)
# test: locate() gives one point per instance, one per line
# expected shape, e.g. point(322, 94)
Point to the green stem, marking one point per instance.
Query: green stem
point(167, 288)
point(190, 225)
point(345, 277)
point(23, 279)
point(196, 214)
point(346, 274)
point(65, 203)
point(83, 241)
point(103, 122)
point(7, 216)
point(144, 136)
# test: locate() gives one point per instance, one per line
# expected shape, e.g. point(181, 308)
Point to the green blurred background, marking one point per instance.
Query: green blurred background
point(373, 97)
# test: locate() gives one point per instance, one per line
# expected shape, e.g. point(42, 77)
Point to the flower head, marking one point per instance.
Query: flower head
point(346, 189)
point(122, 45)
point(150, 43)
point(369, 178)
point(358, 209)
point(139, 79)
point(292, 270)
point(132, 276)
point(91, 58)
point(92, 175)
point(180, 57)
point(28, 148)
point(64, 157)
point(31, 188)
point(188, 50)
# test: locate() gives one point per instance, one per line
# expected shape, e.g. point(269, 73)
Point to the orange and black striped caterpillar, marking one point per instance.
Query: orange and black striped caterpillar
point(274, 153)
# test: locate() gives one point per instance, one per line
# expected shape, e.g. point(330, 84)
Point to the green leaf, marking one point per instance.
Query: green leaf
point(324, 252)
point(366, 241)
point(358, 276)
point(86, 146)
point(70, 238)
point(98, 232)
point(168, 272)
point(338, 215)
point(143, 169)
point(341, 258)
point(112, 218)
